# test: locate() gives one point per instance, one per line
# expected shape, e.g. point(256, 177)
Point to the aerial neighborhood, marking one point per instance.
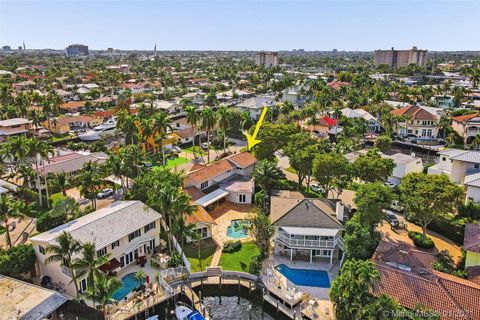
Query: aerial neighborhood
point(128, 184)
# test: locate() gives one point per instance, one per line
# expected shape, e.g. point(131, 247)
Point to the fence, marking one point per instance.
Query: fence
point(177, 246)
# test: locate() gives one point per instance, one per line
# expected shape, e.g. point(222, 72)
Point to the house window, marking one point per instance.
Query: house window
point(102, 252)
point(41, 249)
point(83, 285)
point(204, 185)
point(476, 165)
point(242, 198)
point(203, 232)
point(327, 253)
point(149, 226)
point(115, 244)
point(134, 235)
point(444, 158)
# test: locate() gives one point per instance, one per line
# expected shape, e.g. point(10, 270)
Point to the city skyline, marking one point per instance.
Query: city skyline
point(235, 25)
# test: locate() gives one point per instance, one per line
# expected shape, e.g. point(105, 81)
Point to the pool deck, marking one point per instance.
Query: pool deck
point(320, 296)
point(223, 215)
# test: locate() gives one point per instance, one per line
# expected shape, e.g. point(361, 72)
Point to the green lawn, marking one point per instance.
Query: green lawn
point(206, 254)
point(198, 150)
point(240, 260)
point(176, 161)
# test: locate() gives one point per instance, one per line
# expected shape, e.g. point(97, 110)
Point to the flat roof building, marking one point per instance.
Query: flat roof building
point(401, 58)
point(76, 50)
point(266, 59)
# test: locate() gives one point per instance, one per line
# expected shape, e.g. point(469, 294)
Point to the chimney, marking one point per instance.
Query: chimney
point(339, 210)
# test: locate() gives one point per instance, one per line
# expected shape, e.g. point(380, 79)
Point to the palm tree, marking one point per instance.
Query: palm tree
point(61, 182)
point(140, 277)
point(127, 123)
point(146, 125)
point(9, 208)
point(161, 125)
point(105, 287)
point(267, 174)
point(224, 116)
point(63, 251)
point(207, 123)
point(246, 121)
point(476, 141)
point(89, 179)
point(183, 231)
point(192, 116)
point(88, 264)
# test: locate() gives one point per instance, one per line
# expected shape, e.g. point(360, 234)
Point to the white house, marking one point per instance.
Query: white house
point(373, 123)
point(404, 164)
point(229, 178)
point(125, 230)
point(168, 107)
point(304, 228)
point(195, 97)
point(467, 126)
point(295, 95)
point(255, 105)
point(420, 121)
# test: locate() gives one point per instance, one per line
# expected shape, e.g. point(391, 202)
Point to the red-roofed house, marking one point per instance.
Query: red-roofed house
point(336, 85)
point(407, 277)
point(467, 126)
point(420, 122)
point(229, 178)
point(323, 126)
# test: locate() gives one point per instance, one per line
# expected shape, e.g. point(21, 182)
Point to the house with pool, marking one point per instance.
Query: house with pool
point(128, 231)
point(305, 229)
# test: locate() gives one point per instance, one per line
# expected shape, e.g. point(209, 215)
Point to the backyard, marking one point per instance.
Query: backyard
point(176, 162)
point(240, 260)
point(207, 249)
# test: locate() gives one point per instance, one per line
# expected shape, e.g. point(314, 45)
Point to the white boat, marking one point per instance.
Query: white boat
point(152, 318)
point(89, 135)
point(184, 312)
point(107, 125)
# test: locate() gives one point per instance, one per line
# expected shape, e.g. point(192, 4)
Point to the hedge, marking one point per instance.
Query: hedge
point(232, 246)
point(420, 241)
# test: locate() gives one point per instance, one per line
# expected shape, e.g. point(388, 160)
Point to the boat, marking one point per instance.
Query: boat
point(107, 125)
point(152, 318)
point(184, 312)
point(89, 135)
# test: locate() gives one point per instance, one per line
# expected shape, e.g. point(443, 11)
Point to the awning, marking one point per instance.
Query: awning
point(110, 266)
point(136, 243)
point(305, 231)
point(212, 197)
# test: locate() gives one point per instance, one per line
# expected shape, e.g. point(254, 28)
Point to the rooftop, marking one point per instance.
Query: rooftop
point(471, 240)
point(106, 225)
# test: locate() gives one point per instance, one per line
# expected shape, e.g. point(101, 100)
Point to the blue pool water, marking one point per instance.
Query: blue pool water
point(235, 230)
point(305, 277)
point(128, 284)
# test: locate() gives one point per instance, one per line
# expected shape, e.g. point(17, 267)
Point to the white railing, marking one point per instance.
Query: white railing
point(177, 246)
point(305, 243)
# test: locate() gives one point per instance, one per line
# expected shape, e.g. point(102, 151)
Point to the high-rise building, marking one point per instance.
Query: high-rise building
point(266, 59)
point(76, 50)
point(6, 48)
point(401, 58)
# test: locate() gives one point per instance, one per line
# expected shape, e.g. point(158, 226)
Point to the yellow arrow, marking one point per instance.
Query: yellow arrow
point(252, 139)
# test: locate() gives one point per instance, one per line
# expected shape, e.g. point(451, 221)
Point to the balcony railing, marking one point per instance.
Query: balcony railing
point(305, 243)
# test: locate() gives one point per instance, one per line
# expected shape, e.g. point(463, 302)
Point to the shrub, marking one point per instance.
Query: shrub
point(420, 241)
point(232, 246)
point(256, 265)
point(49, 221)
point(17, 260)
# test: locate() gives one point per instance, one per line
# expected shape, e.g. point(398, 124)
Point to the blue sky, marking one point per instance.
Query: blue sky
point(241, 25)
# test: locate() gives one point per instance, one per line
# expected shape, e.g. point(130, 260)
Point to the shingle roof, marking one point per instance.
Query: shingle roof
point(465, 117)
point(414, 112)
point(73, 105)
point(472, 180)
point(106, 225)
point(200, 215)
point(71, 162)
point(243, 160)
point(471, 240)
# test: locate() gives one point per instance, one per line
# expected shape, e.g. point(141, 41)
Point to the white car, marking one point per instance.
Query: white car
point(315, 188)
point(204, 146)
point(177, 149)
point(391, 185)
point(105, 193)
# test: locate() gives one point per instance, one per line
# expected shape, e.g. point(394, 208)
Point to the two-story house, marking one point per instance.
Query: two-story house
point(125, 230)
point(194, 97)
point(304, 228)
point(229, 178)
point(463, 168)
point(254, 106)
point(373, 124)
point(467, 126)
point(418, 121)
point(14, 127)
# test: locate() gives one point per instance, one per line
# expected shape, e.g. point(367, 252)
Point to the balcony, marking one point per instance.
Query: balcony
point(305, 243)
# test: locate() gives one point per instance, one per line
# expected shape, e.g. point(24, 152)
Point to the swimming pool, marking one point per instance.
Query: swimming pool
point(305, 277)
point(237, 229)
point(128, 284)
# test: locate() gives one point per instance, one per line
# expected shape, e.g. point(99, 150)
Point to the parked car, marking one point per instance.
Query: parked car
point(315, 188)
point(391, 185)
point(395, 205)
point(105, 193)
point(177, 149)
point(204, 146)
point(391, 219)
point(82, 201)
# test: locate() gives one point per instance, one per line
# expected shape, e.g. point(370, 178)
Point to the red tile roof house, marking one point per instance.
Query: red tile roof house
point(467, 126)
point(229, 178)
point(420, 122)
point(407, 277)
point(323, 126)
